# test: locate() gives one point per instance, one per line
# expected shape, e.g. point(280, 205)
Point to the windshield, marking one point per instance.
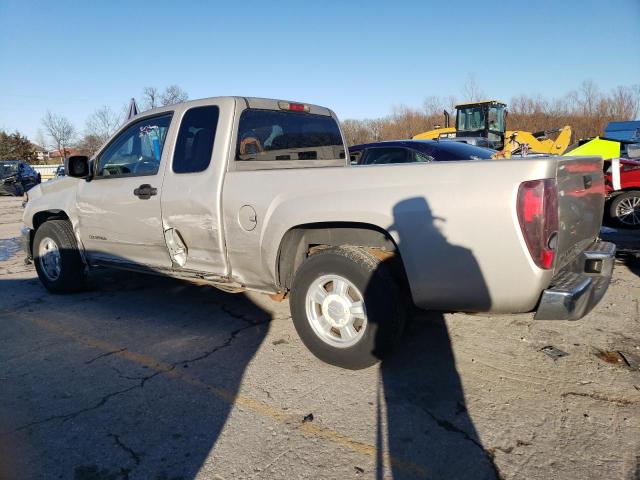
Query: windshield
point(470, 119)
point(8, 168)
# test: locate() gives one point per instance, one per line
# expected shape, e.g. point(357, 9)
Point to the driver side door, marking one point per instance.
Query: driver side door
point(119, 209)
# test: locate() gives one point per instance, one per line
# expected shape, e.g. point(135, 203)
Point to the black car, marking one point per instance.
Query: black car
point(411, 151)
point(16, 177)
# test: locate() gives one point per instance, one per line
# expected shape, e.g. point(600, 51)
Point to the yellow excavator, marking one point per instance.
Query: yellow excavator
point(483, 124)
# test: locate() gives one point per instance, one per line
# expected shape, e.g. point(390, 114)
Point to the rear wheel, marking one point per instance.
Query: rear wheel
point(346, 307)
point(57, 258)
point(624, 209)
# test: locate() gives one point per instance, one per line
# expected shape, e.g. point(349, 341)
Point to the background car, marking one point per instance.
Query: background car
point(60, 172)
point(410, 151)
point(622, 208)
point(16, 177)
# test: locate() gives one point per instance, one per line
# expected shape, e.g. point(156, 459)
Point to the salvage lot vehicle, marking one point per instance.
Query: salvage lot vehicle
point(622, 176)
point(249, 193)
point(420, 151)
point(16, 177)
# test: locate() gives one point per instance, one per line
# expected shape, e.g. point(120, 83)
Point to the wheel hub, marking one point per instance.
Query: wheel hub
point(336, 310)
point(49, 257)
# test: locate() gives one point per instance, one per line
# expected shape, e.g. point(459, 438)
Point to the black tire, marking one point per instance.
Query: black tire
point(619, 202)
point(72, 276)
point(384, 305)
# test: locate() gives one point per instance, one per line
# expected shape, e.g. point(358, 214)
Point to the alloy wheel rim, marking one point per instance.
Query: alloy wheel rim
point(628, 211)
point(49, 257)
point(336, 311)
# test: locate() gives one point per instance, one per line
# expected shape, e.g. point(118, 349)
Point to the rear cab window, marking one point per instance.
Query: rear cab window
point(287, 139)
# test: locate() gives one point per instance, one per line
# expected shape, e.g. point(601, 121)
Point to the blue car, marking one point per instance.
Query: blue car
point(416, 151)
point(16, 177)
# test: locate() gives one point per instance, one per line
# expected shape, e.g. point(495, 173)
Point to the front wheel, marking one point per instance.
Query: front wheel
point(347, 307)
point(57, 258)
point(624, 209)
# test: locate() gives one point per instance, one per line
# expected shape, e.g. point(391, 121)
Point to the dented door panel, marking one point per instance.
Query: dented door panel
point(191, 201)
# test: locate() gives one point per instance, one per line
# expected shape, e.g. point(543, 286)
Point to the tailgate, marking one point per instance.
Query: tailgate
point(581, 198)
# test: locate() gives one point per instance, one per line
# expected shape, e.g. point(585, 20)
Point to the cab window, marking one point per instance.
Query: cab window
point(137, 150)
point(195, 140)
point(265, 135)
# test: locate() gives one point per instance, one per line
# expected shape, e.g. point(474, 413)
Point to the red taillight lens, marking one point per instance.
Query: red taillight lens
point(538, 216)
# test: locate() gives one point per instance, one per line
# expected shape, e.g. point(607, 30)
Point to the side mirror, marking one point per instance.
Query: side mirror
point(77, 166)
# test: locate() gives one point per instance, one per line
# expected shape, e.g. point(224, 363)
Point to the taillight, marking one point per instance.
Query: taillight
point(538, 216)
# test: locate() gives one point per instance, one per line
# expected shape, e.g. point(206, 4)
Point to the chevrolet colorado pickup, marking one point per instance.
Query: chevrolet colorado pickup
point(258, 194)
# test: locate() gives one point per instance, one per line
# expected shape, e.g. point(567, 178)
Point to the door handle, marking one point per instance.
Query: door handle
point(145, 191)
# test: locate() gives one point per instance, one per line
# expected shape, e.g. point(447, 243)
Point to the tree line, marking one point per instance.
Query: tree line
point(587, 110)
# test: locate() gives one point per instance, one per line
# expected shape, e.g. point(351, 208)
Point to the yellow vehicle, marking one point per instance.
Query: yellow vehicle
point(483, 124)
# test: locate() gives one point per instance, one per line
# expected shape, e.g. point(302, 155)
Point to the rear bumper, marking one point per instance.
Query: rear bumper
point(578, 287)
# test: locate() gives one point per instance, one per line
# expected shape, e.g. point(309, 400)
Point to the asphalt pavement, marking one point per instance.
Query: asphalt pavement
point(145, 377)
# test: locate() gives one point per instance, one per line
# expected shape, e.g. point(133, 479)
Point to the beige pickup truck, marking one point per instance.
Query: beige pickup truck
point(258, 194)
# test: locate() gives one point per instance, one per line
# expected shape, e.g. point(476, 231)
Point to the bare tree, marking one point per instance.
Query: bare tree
point(471, 90)
point(41, 141)
point(174, 94)
point(150, 98)
point(89, 144)
point(61, 131)
point(103, 123)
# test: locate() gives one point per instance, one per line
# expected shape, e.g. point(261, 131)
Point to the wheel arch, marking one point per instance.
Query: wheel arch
point(301, 241)
point(43, 216)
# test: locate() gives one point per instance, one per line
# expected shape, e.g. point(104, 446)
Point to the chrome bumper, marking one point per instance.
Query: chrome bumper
point(25, 242)
point(579, 286)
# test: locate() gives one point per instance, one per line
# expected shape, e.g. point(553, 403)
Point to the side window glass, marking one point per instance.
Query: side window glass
point(195, 140)
point(378, 156)
point(137, 150)
point(354, 158)
point(421, 157)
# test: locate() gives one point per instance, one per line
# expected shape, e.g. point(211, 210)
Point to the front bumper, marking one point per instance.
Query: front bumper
point(12, 189)
point(579, 286)
point(25, 242)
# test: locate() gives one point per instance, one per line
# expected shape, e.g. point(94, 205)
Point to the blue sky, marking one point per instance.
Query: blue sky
point(359, 58)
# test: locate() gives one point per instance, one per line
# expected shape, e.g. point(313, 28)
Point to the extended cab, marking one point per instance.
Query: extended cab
point(249, 193)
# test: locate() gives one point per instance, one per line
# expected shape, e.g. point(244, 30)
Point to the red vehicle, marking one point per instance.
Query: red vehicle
point(623, 193)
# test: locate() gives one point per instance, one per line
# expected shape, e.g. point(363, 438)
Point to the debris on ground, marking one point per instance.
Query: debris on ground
point(280, 341)
point(612, 357)
point(308, 418)
point(632, 361)
point(618, 357)
point(553, 352)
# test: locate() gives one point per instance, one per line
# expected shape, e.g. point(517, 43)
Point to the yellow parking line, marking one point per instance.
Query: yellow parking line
point(312, 430)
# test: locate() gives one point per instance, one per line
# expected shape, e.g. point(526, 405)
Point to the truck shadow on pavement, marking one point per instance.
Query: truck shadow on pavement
point(138, 377)
point(430, 432)
point(135, 379)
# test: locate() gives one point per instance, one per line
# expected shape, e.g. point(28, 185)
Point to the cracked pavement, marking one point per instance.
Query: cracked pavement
point(147, 377)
